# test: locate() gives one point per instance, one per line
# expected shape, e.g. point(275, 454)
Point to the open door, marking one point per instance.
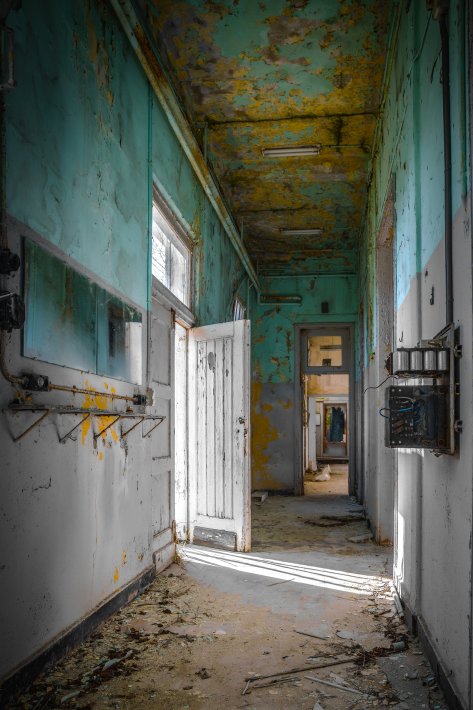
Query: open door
point(162, 441)
point(219, 435)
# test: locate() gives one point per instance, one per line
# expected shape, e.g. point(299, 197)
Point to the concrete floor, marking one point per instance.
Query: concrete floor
point(205, 632)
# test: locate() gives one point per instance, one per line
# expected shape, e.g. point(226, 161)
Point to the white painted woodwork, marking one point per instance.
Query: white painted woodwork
point(311, 433)
point(162, 465)
point(181, 431)
point(219, 430)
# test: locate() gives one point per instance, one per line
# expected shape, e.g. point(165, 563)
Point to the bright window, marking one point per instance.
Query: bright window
point(238, 309)
point(171, 256)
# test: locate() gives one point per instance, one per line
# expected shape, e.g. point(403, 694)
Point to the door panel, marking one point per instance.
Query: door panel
point(219, 408)
point(162, 471)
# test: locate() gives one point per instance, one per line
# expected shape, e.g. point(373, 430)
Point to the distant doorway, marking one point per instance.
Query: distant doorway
point(326, 429)
point(326, 433)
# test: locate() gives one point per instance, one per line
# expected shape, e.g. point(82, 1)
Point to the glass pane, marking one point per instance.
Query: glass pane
point(119, 339)
point(160, 241)
point(325, 351)
point(238, 309)
point(60, 312)
point(170, 257)
point(178, 274)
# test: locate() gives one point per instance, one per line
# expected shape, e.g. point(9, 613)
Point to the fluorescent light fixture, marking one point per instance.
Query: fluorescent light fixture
point(289, 151)
point(301, 232)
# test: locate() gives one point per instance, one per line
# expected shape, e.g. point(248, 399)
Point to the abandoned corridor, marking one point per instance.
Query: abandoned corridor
point(235, 260)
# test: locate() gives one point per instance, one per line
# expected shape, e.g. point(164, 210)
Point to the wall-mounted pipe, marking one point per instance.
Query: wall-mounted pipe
point(440, 13)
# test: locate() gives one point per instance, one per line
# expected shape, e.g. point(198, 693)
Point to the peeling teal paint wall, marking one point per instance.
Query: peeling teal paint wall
point(218, 270)
point(77, 139)
point(410, 147)
point(273, 325)
point(83, 140)
point(273, 347)
point(431, 496)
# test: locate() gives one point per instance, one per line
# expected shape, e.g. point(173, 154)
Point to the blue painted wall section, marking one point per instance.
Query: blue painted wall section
point(410, 147)
point(76, 144)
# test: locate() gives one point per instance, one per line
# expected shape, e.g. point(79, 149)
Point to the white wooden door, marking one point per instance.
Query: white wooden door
point(219, 435)
point(162, 469)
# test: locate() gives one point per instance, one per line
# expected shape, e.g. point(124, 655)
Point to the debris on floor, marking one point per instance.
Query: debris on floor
point(364, 537)
point(212, 633)
point(324, 474)
point(259, 496)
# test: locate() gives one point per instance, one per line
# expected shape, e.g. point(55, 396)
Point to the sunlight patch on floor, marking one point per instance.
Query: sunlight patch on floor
point(322, 577)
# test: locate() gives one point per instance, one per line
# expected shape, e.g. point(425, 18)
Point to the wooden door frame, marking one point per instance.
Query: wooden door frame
point(298, 401)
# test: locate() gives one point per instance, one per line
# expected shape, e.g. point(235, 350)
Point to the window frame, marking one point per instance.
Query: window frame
point(102, 293)
point(345, 349)
point(181, 241)
point(239, 304)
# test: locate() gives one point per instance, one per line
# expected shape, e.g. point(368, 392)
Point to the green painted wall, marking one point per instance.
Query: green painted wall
point(409, 148)
point(85, 138)
point(431, 496)
point(273, 325)
point(218, 270)
point(273, 391)
point(77, 139)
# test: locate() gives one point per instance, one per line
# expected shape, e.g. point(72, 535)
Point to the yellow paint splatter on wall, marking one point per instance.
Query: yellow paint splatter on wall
point(116, 575)
point(98, 401)
point(263, 433)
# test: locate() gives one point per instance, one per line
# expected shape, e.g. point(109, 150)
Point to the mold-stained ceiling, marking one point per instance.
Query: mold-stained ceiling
point(259, 74)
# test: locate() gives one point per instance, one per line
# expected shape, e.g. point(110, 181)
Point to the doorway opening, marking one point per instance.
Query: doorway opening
point(326, 433)
point(326, 424)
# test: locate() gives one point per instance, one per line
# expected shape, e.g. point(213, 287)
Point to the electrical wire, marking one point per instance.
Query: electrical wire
point(380, 384)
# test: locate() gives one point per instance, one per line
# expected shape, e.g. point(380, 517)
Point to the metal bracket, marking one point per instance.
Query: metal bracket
point(85, 415)
point(102, 431)
point(32, 426)
point(161, 419)
point(62, 439)
point(125, 433)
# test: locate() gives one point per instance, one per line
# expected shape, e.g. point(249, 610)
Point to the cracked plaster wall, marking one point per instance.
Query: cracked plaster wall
point(433, 496)
point(85, 136)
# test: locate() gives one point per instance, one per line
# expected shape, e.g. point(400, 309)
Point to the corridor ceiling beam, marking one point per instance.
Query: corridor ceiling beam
point(148, 56)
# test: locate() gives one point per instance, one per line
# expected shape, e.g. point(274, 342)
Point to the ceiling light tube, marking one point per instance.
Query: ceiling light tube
point(291, 151)
point(301, 232)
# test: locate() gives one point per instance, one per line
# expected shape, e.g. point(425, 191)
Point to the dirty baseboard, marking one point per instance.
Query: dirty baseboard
point(60, 647)
point(418, 628)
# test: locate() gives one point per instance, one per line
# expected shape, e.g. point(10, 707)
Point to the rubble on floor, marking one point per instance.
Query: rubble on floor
point(302, 629)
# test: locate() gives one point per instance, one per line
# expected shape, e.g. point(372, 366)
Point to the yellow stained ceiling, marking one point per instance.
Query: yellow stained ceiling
point(259, 74)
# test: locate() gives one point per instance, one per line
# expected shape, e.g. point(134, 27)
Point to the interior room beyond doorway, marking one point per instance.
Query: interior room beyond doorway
point(326, 434)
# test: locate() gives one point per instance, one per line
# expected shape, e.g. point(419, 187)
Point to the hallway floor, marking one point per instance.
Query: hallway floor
point(306, 604)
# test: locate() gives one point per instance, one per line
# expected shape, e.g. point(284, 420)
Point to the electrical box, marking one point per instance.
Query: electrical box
point(423, 412)
point(419, 417)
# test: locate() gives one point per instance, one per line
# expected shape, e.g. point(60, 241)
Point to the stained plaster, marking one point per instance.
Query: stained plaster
point(84, 141)
point(264, 74)
point(273, 388)
point(433, 495)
